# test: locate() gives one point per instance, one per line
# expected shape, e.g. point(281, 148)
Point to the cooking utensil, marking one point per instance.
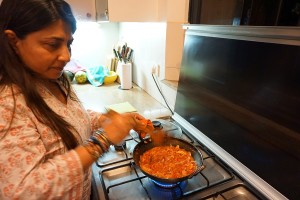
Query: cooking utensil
point(146, 145)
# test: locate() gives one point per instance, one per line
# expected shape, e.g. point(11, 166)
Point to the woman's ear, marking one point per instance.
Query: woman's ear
point(12, 38)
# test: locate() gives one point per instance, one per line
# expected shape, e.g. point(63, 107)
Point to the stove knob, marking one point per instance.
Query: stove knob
point(157, 124)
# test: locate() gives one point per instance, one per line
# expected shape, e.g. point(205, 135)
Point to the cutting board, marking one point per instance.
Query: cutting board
point(121, 107)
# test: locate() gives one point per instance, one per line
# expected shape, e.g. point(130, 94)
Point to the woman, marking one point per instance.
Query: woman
point(47, 140)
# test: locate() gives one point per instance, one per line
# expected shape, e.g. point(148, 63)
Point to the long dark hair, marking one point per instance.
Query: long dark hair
point(24, 17)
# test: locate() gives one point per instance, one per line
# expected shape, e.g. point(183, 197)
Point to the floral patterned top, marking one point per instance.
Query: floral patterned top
point(34, 163)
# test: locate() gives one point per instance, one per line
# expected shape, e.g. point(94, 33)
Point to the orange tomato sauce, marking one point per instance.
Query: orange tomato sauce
point(168, 162)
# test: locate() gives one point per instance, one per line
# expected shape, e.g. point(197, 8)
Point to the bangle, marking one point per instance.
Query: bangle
point(101, 132)
point(96, 141)
point(90, 147)
point(103, 142)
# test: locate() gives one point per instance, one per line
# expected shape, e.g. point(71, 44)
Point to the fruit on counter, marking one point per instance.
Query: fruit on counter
point(111, 78)
point(81, 77)
point(70, 75)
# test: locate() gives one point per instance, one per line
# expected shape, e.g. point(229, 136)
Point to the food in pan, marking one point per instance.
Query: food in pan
point(168, 162)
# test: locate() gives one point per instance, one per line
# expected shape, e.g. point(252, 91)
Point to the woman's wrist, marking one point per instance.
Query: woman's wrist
point(97, 145)
point(102, 135)
point(92, 149)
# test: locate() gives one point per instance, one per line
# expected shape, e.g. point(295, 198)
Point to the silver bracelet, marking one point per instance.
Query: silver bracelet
point(96, 141)
point(100, 132)
point(91, 150)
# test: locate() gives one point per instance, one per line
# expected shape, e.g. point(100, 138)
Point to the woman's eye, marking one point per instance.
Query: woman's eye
point(53, 45)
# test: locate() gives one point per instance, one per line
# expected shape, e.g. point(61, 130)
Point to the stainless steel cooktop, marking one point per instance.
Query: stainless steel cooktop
point(120, 178)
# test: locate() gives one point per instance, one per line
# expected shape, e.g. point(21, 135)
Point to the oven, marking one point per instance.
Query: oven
point(237, 102)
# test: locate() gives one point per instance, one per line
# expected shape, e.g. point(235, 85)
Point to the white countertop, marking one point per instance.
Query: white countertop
point(96, 98)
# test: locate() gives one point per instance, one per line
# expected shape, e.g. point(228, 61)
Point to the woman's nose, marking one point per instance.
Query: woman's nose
point(65, 55)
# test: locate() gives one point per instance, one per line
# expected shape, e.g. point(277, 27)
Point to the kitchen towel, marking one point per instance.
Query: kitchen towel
point(96, 75)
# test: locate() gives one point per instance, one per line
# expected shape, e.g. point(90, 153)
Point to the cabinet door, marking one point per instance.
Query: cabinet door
point(84, 10)
point(133, 10)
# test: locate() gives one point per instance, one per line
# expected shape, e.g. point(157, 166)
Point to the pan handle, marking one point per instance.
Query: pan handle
point(198, 170)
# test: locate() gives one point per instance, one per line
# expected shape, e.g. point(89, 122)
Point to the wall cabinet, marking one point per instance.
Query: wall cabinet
point(130, 10)
point(134, 10)
point(147, 10)
point(245, 12)
point(216, 12)
point(83, 10)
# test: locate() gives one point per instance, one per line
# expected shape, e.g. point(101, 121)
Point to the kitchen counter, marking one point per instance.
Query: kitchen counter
point(96, 98)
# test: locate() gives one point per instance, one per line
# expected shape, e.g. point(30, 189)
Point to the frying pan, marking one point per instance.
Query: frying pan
point(144, 146)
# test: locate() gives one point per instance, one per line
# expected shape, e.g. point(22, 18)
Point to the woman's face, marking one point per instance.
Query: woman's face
point(47, 51)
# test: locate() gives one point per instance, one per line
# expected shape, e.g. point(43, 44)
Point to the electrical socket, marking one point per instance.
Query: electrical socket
point(156, 70)
point(153, 70)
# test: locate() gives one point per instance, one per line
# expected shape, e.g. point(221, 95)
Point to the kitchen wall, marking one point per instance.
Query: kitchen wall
point(93, 42)
point(157, 44)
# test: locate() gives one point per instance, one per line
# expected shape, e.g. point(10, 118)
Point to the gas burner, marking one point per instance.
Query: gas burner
point(167, 190)
point(120, 147)
point(171, 129)
point(169, 185)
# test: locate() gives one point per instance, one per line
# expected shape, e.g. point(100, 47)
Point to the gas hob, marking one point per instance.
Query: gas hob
point(121, 178)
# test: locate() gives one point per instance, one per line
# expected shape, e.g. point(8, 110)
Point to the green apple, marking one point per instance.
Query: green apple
point(80, 77)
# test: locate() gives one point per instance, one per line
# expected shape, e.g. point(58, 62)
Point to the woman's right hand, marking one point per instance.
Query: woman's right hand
point(141, 125)
point(116, 126)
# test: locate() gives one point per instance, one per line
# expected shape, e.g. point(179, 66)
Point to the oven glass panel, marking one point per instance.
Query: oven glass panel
point(244, 95)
